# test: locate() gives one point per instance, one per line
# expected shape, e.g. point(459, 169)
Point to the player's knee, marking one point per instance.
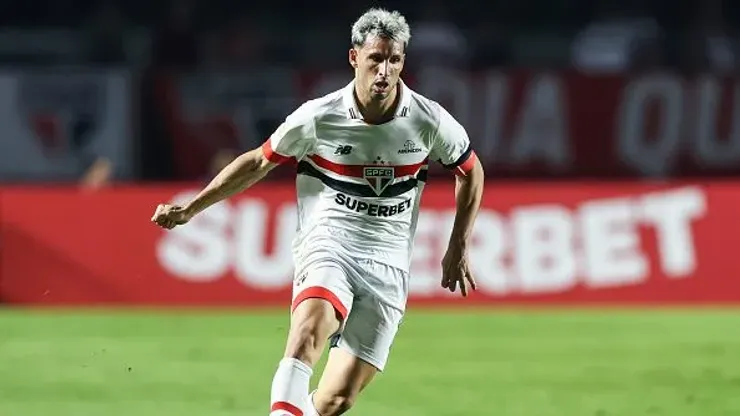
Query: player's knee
point(333, 404)
point(308, 336)
point(303, 341)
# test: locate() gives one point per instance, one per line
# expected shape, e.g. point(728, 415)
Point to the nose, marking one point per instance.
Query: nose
point(383, 68)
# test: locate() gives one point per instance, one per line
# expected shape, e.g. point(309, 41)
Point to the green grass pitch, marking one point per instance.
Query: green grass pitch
point(502, 363)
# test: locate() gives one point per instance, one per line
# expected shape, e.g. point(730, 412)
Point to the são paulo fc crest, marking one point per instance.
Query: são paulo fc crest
point(379, 177)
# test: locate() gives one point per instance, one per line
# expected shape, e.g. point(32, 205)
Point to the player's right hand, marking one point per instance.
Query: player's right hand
point(169, 216)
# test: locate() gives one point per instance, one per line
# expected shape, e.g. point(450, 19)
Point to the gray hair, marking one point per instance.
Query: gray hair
point(381, 22)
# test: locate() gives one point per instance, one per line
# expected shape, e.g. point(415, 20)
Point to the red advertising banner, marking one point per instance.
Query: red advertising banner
point(523, 124)
point(568, 244)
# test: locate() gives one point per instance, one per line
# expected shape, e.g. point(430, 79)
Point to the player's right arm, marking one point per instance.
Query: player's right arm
point(243, 172)
point(290, 141)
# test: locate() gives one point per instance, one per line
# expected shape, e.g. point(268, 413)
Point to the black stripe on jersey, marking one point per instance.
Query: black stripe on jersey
point(460, 160)
point(422, 175)
point(357, 189)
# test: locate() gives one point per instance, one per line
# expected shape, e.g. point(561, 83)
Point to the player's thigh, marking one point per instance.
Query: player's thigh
point(322, 299)
point(359, 352)
point(325, 280)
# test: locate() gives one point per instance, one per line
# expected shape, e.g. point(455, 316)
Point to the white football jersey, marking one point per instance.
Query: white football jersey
point(359, 185)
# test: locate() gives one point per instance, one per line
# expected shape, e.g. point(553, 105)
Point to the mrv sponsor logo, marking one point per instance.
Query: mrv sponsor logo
point(373, 210)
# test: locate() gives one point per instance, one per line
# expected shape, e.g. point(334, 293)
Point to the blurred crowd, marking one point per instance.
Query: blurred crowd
point(593, 35)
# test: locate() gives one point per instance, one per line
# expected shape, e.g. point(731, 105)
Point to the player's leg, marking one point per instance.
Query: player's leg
point(344, 377)
point(321, 303)
point(361, 352)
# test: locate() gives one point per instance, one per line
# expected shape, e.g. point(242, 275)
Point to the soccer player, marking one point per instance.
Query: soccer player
point(362, 154)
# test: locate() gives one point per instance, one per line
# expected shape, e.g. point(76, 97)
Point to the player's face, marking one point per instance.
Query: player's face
point(378, 64)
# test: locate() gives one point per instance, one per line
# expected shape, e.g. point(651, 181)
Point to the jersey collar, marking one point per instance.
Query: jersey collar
point(352, 112)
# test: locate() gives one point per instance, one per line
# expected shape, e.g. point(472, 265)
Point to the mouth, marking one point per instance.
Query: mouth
point(381, 85)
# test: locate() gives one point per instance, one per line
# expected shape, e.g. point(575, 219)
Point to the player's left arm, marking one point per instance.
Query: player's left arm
point(468, 196)
point(453, 149)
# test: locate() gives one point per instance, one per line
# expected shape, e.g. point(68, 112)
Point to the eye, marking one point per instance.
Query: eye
point(395, 59)
point(375, 57)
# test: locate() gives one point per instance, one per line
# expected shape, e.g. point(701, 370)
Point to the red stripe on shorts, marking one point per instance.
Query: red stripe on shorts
point(321, 293)
point(287, 407)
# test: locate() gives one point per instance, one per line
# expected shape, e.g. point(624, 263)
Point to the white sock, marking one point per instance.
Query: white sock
point(310, 408)
point(290, 387)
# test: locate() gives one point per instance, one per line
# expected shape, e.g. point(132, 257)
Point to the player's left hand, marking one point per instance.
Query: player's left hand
point(456, 270)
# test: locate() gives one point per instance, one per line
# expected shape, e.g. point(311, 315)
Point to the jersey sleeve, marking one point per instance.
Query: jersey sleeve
point(293, 139)
point(451, 145)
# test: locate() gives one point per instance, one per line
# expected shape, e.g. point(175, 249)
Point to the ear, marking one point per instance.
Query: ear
point(353, 57)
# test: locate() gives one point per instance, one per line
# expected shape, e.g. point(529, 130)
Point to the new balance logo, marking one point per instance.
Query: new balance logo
point(343, 150)
point(409, 147)
point(300, 279)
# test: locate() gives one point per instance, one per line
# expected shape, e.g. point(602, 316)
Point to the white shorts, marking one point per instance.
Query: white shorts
point(369, 297)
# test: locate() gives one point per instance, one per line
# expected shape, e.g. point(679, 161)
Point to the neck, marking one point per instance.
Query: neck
point(375, 112)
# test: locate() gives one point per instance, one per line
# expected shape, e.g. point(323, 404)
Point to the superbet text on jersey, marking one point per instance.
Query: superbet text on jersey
point(359, 185)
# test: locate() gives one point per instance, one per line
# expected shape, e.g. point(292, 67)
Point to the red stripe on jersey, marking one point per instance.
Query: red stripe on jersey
point(272, 155)
point(317, 292)
point(287, 407)
point(464, 168)
point(356, 171)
